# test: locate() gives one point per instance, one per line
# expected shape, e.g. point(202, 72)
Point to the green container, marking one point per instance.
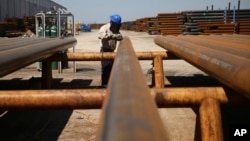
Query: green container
point(47, 31)
point(53, 31)
point(40, 31)
point(54, 65)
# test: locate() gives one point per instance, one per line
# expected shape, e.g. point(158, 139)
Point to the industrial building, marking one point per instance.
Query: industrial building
point(21, 8)
point(18, 16)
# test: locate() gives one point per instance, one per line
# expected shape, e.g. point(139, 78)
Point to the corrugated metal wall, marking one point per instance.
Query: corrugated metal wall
point(20, 8)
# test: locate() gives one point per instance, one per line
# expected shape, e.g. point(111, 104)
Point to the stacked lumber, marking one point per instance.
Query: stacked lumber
point(169, 24)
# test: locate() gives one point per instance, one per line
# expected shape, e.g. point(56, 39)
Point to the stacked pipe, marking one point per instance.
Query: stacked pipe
point(243, 22)
point(194, 23)
point(141, 25)
point(216, 22)
point(152, 23)
point(169, 24)
point(14, 27)
point(227, 57)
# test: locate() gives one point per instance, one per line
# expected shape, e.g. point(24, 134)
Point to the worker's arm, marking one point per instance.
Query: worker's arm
point(103, 32)
point(117, 37)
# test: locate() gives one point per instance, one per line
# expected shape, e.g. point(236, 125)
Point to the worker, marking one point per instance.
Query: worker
point(109, 35)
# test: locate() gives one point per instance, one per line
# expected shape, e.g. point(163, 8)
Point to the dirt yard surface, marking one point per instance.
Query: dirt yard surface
point(81, 125)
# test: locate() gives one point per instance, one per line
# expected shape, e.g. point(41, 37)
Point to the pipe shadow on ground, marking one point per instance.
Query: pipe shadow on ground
point(33, 125)
point(197, 80)
point(35, 83)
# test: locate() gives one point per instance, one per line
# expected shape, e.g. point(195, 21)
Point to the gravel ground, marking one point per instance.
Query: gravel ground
point(81, 125)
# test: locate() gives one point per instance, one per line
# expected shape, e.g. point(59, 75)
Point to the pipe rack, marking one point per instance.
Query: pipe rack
point(129, 107)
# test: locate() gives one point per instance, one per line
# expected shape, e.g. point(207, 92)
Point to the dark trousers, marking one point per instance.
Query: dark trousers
point(106, 69)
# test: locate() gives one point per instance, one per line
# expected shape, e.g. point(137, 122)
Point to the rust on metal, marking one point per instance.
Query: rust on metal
point(231, 69)
point(210, 120)
point(129, 112)
point(158, 72)
point(93, 99)
point(97, 56)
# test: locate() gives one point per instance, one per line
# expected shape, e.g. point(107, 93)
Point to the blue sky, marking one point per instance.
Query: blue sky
point(98, 11)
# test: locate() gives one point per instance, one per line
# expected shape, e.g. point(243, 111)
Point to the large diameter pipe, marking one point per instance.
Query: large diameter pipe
point(93, 99)
point(225, 46)
point(38, 49)
point(230, 69)
point(129, 112)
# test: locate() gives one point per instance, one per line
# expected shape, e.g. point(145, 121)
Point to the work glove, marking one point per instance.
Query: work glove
point(117, 37)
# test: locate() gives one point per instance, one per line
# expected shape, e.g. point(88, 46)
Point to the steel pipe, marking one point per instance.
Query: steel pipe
point(232, 48)
point(158, 72)
point(210, 120)
point(91, 99)
point(129, 113)
point(36, 49)
point(97, 56)
point(230, 69)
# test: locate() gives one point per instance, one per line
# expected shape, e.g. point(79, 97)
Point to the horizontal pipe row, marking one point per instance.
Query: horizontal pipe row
point(231, 69)
point(93, 99)
point(18, 53)
point(226, 46)
point(97, 56)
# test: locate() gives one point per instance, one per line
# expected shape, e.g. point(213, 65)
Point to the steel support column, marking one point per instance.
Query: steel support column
point(210, 120)
point(158, 74)
point(46, 74)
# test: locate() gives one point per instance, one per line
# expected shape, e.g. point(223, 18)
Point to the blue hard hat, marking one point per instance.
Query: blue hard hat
point(116, 18)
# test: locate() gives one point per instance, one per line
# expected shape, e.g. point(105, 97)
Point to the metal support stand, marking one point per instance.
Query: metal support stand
point(58, 15)
point(46, 74)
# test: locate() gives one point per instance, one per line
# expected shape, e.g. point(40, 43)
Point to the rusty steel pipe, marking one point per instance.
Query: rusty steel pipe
point(129, 112)
point(217, 44)
point(210, 120)
point(37, 49)
point(49, 99)
point(97, 56)
point(230, 69)
point(91, 99)
point(158, 72)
